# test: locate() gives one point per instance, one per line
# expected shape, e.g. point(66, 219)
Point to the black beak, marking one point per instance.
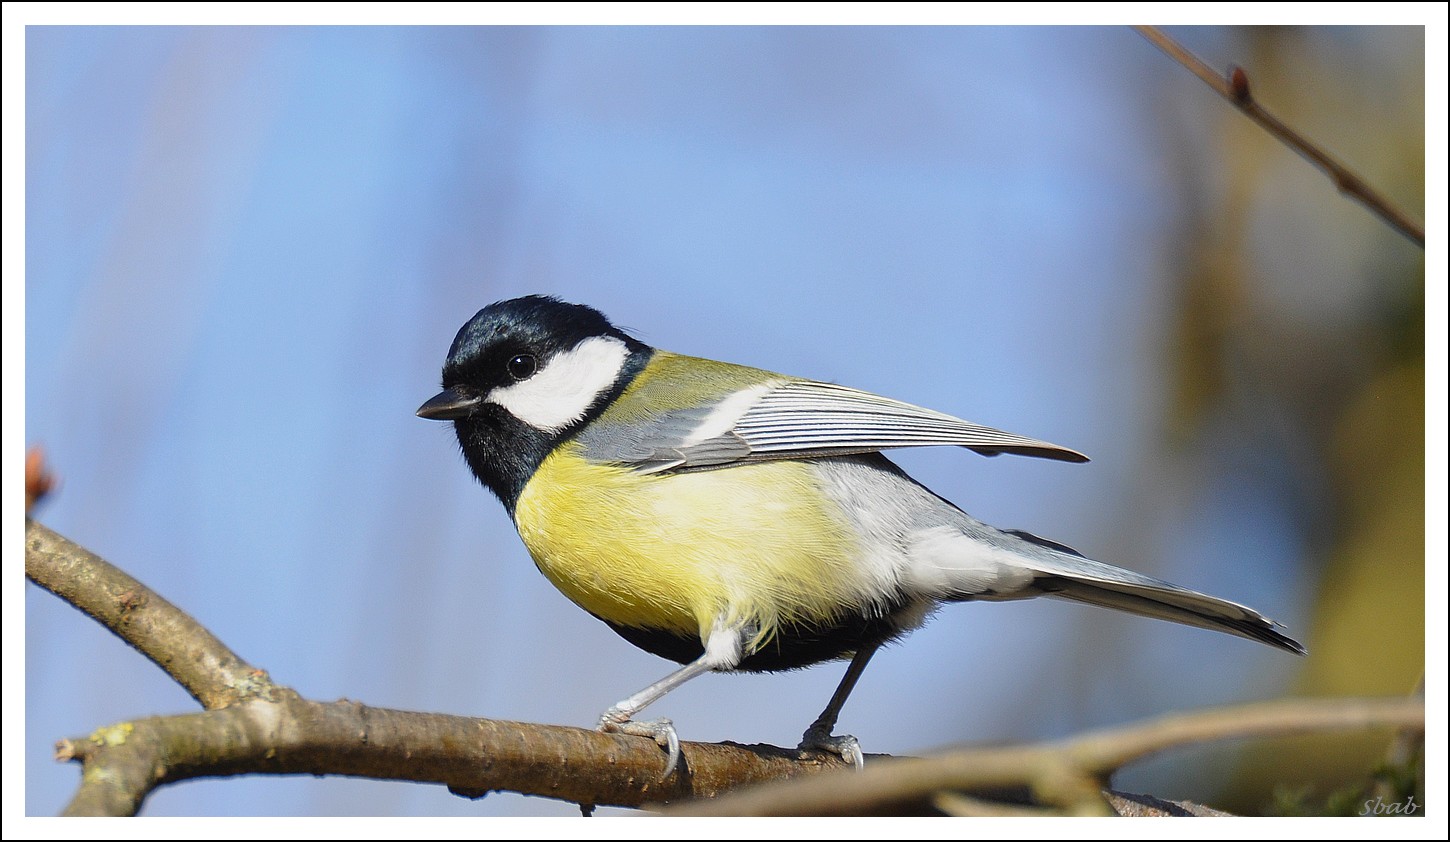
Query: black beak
point(449, 405)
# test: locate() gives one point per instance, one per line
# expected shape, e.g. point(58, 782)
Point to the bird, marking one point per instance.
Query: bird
point(730, 518)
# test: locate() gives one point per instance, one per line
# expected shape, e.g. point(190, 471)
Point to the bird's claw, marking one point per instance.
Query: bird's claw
point(662, 731)
point(847, 747)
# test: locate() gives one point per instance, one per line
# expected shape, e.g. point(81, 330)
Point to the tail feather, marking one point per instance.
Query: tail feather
point(1180, 606)
point(1064, 573)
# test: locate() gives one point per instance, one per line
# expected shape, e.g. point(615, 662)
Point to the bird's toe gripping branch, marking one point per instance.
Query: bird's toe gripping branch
point(845, 746)
point(662, 731)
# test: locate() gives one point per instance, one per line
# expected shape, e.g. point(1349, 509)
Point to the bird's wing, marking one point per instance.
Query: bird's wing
point(794, 419)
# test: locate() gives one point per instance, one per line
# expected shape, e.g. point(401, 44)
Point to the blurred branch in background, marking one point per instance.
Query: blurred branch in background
point(1234, 87)
point(1066, 774)
point(1297, 379)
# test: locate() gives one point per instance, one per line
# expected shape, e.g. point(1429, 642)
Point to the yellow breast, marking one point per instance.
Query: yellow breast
point(753, 545)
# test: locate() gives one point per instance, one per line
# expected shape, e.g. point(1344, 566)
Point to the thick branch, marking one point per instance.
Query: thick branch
point(1067, 773)
point(253, 725)
point(289, 736)
point(181, 646)
point(1235, 88)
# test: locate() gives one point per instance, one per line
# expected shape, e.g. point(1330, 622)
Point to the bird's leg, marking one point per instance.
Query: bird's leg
point(818, 736)
point(722, 652)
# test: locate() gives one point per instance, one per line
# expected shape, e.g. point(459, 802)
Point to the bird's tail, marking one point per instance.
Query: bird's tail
point(1063, 573)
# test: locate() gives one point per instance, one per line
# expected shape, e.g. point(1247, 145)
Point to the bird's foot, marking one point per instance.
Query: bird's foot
point(662, 731)
point(845, 746)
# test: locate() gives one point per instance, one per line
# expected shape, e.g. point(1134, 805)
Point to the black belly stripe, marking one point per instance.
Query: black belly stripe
point(792, 647)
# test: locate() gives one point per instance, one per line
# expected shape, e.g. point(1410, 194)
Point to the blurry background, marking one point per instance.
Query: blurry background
point(249, 249)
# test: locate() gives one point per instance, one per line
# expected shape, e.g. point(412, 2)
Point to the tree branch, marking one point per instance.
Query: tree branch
point(1234, 87)
point(1068, 774)
point(213, 674)
point(255, 726)
point(290, 735)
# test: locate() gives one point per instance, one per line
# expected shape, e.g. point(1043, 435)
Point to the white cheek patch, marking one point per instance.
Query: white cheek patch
point(559, 393)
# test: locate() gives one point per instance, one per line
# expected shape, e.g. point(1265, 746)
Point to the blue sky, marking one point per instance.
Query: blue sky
point(248, 249)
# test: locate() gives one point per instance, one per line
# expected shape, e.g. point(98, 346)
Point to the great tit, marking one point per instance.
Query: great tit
point(730, 518)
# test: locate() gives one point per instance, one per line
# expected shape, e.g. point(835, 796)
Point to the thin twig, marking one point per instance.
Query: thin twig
point(1234, 87)
point(1128, 804)
point(39, 481)
point(1122, 803)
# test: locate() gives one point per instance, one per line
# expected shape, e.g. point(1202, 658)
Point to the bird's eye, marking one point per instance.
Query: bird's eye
point(522, 366)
